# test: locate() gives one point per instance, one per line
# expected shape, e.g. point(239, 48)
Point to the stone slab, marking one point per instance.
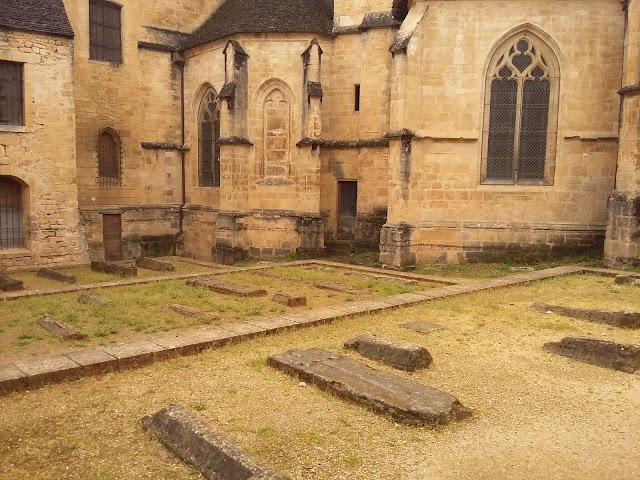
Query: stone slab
point(387, 393)
point(274, 324)
point(290, 300)
point(195, 442)
point(243, 330)
point(43, 370)
point(190, 312)
point(12, 379)
point(209, 337)
point(603, 353)
point(421, 326)
point(93, 361)
point(390, 278)
point(627, 280)
point(176, 343)
point(94, 298)
point(397, 353)
point(114, 269)
point(136, 354)
point(220, 286)
point(61, 329)
point(56, 275)
point(155, 265)
point(617, 319)
point(8, 284)
point(340, 287)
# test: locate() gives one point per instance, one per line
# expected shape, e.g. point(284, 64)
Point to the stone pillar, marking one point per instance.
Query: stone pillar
point(622, 244)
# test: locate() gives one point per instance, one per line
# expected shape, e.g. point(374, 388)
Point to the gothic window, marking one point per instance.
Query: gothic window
point(11, 94)
point(209, 134)
point(105, 31)
point(11, 234)
point(276, 134)
point(520, 113)
point(109, 159)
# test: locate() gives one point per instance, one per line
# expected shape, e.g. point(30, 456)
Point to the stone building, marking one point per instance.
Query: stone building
point(451, 130)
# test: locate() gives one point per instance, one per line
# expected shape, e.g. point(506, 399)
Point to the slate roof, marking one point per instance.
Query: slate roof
point(264, 16)
point(47, 16)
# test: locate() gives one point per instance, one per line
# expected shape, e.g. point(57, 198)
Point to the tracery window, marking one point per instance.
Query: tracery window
point(276, 134)
point(520, 122)
point(11, 233)
point(209, 134)
point(109, 158)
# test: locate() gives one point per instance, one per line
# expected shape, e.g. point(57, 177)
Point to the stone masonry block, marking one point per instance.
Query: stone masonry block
point(136, 354)
point(290, 300)
point(43, 370)
point(12, 379)
point(397, 353)
point(93, 361)
point(603, 353)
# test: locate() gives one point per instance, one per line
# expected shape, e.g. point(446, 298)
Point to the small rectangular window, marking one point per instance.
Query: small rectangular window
point(105, 31)
point(357, 98)
point(11, 93)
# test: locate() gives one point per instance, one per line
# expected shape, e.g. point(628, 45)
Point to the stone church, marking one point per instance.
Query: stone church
point(432, 131)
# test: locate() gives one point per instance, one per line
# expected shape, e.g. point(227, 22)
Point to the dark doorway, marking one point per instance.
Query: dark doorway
point(347, 209)
point(112, 236)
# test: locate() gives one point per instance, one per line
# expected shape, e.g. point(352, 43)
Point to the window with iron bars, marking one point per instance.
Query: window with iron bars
point(209, 147)
point(11, 230)
point(109, 159)
point(105, 31)
point(11, 93)
point(519, 134)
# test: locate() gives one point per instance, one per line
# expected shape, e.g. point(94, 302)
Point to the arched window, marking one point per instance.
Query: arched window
point(109, 164)
point(209, 134)
point(521, 111)
point(11, 233)
point(276, 134)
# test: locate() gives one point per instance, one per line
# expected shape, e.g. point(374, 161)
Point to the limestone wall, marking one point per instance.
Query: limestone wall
point(41, 154)
point(436, 190)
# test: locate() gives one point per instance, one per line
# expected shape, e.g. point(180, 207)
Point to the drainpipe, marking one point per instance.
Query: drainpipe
point(178, 60)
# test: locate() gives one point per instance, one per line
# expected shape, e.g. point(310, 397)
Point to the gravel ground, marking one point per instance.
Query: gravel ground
point(537, 415)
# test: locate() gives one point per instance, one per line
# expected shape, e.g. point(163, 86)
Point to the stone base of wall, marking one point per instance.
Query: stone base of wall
point(199, 232)
point(622, 246)
point(368, 228)
point(404, 245)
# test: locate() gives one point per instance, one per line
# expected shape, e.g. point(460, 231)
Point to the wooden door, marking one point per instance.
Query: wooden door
point(112, 236)
point(347, 209)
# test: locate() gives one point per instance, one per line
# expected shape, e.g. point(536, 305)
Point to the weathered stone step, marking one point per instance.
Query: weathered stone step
point(60, 329)
point(155, 265)
point(290, 300)
point(8, 284)
point(114, 269)
point(603, 353)
point(211, 452)
point(220, 286)
point(340, 287)
point(404, 400)
point(397, 353)
point(56, 275)
point(190, 312)
point(617, 319)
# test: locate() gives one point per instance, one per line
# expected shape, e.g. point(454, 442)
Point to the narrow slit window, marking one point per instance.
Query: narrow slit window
point(109, 159)
point(11, 232)
point(356, 95)
point(209, 145)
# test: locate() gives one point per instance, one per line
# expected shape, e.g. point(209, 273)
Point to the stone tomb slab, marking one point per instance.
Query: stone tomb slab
point(190, 312)
point(8, 284)
point(340, 287)
point(60, 329)
point(93, 298)
point(12, 379)
point(603, 353)
point(195, 442)
point(155, 265)
point(290, 300)
point(114, 269)
point(387, 393)
point(422, 327)
point(397, 353)
point(43, 370)
point(220, 286)
point(627, 280)
point(56, 275)
point(617, 319)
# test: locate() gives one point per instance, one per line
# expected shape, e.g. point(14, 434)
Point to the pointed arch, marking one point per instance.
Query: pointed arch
point(208, 139)
point(522, 85)
point(109, 158)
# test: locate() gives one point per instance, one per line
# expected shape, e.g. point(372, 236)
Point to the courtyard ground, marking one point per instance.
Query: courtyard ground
point(537, 415)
